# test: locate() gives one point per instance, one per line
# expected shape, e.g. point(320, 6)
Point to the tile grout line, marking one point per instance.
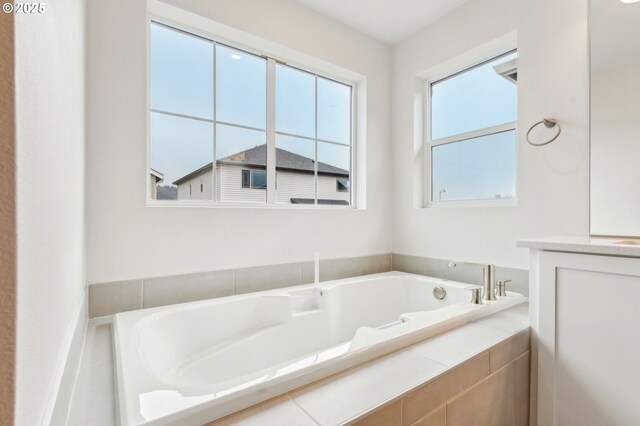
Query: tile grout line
point(515, 378)
point(446, 412)
point(142, 294)
point(303, 410)
point(233, 279)
point(493, 327)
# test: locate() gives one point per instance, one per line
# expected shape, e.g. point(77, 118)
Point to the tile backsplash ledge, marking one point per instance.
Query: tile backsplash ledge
point(112, 297)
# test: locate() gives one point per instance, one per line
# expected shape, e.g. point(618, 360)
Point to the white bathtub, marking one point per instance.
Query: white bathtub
point(195, 362)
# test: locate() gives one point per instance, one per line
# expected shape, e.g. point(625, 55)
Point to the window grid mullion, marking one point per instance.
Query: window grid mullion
point(315, 163)
point(309, 138)
point(351, 159)
point(271, 131)
point(214, 168)
point(486, 131)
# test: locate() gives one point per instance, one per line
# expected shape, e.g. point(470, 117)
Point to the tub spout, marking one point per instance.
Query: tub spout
point(488, 274)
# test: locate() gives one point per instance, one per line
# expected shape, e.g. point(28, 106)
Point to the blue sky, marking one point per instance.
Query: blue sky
point(182, 82)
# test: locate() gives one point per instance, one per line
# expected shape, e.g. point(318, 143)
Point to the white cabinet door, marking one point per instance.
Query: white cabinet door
point(588, 340)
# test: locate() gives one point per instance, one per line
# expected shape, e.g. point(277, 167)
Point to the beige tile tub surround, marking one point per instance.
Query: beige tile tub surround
point(260, 278)
point(111, 298)
point(490, 402)
point(388, 415)
point(186, 288)
point(279, 411)
point(467, 395)
point(334, 269)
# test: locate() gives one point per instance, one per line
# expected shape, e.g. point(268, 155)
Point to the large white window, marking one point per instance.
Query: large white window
point(471, 133)
point(241, 127)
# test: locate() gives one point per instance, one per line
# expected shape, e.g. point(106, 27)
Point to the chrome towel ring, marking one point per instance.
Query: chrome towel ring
point(549, 123)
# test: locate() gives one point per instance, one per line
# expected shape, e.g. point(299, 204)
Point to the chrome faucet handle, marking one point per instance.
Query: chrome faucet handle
point(502, 288)
point(476, 295)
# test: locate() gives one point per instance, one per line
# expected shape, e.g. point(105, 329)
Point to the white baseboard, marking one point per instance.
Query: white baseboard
point(58, 404)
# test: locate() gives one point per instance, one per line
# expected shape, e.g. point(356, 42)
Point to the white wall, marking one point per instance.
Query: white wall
point(553, 181)
point(615, 150)
point(50, 196)
point(126, 239)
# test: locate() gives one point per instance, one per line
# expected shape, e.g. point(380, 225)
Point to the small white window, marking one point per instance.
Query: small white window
point(471, 133)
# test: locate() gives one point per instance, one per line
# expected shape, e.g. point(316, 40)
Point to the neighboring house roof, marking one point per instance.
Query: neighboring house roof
point(285, 160)
point(157, 174)
point(193, 173)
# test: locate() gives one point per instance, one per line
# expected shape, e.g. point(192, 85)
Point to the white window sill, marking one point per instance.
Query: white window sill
point(247, 205)
point(504, 202)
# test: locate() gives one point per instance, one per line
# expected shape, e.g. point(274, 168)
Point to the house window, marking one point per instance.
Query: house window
point(258, 180)
point(471, 133)
point(342, 185)
point(209, 117)
point(254, 179)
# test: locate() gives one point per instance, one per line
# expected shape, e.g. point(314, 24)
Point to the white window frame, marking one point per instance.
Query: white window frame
point(193, 24)
point(458, 66)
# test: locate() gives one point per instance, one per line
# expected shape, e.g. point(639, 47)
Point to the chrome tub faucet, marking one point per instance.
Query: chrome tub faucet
point(488, 280)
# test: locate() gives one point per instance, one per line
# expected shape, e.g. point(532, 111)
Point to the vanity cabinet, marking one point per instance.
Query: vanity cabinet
point(585, 309)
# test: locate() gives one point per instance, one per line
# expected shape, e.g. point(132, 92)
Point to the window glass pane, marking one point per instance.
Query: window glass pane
point(246, 178)
point(334, 161)
point(342, 185)
point(239, 149)
point(475, 169)
point(474, 99)
point(295, 165)
point(241, 87)
point(259, 180)
point(334, 111)
point(181, 155)
point(295, 101)
point(181, 72)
